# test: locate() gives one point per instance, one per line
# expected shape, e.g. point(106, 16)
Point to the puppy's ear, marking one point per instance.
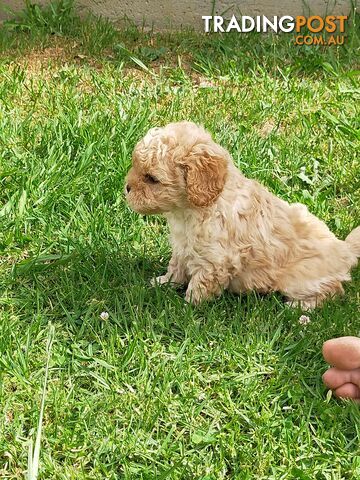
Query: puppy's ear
point(205, 173)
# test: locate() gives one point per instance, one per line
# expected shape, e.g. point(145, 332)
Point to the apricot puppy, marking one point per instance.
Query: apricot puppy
point(228, 231)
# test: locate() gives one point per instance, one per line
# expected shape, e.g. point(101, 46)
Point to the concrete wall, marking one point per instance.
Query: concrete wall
point(187, 13)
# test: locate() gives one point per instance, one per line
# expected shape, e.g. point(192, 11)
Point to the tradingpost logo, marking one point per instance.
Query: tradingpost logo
point(313, 30)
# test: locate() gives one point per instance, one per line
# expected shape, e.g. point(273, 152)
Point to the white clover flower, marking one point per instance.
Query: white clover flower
point(304, 320)
point(104, 315)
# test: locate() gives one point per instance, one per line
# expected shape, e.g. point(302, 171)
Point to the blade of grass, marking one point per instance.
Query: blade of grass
point(34, 455)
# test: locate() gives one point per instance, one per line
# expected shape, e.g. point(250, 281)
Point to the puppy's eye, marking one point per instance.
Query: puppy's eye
point(150, 179)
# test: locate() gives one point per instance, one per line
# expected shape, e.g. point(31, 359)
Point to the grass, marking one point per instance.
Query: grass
point(230, 389)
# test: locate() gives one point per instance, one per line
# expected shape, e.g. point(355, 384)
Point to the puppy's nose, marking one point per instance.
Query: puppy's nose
point(128, 188)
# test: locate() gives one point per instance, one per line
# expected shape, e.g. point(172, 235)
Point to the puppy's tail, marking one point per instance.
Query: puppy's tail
point(353, 239)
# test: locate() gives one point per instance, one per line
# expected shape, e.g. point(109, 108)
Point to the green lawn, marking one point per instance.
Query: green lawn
point(163, 390)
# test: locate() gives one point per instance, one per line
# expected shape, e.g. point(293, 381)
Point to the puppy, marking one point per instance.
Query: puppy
point(229, 232)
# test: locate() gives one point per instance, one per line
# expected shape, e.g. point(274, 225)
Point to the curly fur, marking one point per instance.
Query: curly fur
point(230, 232)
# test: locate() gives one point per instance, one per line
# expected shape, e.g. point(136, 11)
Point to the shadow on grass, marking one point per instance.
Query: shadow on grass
point(76, 288)
point(72, 292)
point(73, 287)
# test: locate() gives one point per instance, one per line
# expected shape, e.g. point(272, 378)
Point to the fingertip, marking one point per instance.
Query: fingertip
point(348, 390)
point(342, 352)
point(326, 348)
point(325, 377)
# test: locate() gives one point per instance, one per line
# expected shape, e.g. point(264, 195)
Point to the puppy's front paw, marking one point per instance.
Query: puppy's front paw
point(159, 280)
point(193, 296)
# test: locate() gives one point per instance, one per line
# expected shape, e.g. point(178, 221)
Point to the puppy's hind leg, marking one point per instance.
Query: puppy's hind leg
point(306, 304)
point(312, 294)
